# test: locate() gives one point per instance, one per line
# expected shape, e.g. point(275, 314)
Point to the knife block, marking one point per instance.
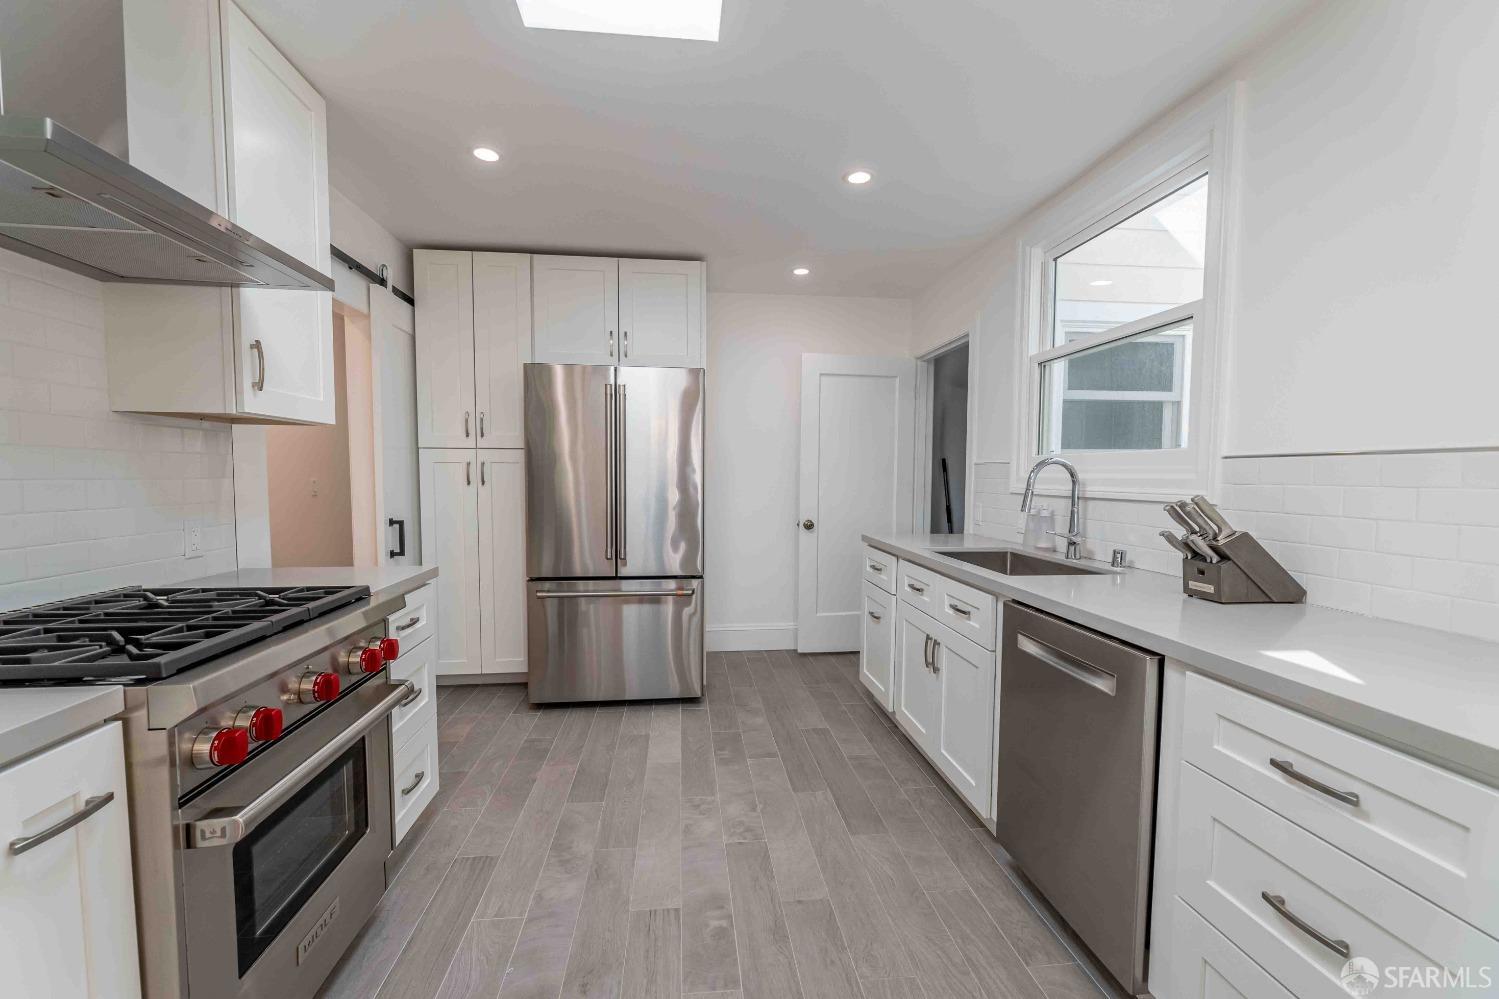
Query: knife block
point(1225, 583)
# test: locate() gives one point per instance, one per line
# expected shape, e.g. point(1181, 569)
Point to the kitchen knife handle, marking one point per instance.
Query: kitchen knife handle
point(1201, 547)
point(1179, 518)
point(1200, 524)
point(1178, 544)
point(1220, 525)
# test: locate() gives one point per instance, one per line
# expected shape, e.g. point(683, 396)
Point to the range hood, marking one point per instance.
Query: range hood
point(71, 198)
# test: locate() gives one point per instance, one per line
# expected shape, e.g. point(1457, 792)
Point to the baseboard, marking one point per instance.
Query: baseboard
point(751, 637)
point(472, 679)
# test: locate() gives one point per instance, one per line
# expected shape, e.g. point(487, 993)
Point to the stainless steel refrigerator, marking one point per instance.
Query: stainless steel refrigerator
point(614, 532)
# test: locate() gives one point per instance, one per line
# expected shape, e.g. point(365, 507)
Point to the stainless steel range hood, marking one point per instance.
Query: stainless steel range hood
point(71, 198)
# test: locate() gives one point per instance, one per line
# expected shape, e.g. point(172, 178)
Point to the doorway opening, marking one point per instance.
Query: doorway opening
point(945, 412)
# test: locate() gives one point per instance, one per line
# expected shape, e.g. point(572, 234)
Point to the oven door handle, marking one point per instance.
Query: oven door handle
point(226, 826)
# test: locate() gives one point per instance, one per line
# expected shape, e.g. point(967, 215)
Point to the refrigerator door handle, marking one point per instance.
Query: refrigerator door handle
point(580, 594)
point(622, 487)
point(609, 443)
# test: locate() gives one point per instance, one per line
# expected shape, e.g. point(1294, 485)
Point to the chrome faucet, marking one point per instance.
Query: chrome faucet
point(1074, 532)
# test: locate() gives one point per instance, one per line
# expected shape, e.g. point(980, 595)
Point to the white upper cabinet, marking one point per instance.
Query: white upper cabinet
point(276, 133)
point(445, 404)
point(502, 343)
point(575, 309)
point(245, 133)
point(661, 313)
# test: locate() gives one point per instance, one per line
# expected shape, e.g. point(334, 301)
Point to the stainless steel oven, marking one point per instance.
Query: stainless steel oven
point(284, 859)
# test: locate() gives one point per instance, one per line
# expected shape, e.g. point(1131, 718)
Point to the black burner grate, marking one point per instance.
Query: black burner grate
point(147, 634)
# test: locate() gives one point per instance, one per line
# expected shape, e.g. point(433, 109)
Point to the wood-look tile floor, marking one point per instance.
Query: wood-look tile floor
point(778, 838)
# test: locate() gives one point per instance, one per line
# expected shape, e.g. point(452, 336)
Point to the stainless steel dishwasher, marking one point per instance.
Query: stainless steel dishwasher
point(1078, 714)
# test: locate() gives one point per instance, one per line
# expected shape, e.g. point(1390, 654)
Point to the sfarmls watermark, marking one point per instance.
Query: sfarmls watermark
point(1362, 976)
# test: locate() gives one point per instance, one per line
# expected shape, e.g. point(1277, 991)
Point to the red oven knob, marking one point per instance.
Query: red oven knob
point(390, 649)
point(365, 660)
point(263, 724)
point(317, 687)
point(220, 747)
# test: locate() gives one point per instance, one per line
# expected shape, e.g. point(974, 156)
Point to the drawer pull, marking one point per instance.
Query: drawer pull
point(876, 567)
point(874, 616)
point(960, 611)
point(1289, 769)
point(90, 806)
point(915, 587)
point(416, 782)
point(1278, 903)
point(410, 698)
point(408, 625)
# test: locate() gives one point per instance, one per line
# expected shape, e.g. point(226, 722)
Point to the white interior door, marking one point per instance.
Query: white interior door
point(856, 467)
point(502, 560)
point(450, 530)
point(393, 349)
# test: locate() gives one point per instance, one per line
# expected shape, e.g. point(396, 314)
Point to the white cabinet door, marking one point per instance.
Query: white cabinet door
point(444, 348)
point(67, 905)
point(877, 647)
point(502, 560)
point(450, 541)
point(575, 309)
point(661, 313)
point(918, 703)
point(502, 344)
point(276, 134)
point(965, 740)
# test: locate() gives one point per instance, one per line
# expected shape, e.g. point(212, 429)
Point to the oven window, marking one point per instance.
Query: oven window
point(290, 854)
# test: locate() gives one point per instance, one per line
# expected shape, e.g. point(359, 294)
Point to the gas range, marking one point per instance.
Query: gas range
point(257, 759)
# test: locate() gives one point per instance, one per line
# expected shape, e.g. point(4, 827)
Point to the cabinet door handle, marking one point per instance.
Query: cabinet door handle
point(936, 648)
point(960, 611)
point(258, 349)
point(481, 473)
point(1278, 903)
point(399, 550)
point(915, 587)
point(481, 424)
point(611, 343)
point(874, 616)
point(466, 419)
point(626, 337)
point(926, 653)
point(1288, 768)
point(876, 567)
point(468, 473)
point(90, 806)
point(416, 782)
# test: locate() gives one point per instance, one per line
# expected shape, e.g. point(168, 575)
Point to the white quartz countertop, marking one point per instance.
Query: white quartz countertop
point(33, 718)
point(1429, 691)
point(384, 581)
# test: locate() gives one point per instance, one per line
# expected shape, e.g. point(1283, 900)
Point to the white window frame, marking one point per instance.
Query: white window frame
point(1198, 141)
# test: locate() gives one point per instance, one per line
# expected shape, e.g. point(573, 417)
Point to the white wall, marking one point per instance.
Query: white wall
point(91, 499)
point(367, 241)
point(755, 345)
point(1361, 273)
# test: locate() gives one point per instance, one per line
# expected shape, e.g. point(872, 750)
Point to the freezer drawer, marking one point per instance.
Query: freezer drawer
point(615, 639)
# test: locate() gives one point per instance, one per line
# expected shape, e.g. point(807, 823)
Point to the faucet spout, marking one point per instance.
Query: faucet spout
point(1073, 537)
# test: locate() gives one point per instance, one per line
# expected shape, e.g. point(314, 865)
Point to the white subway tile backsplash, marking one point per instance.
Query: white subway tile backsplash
point(1346, 470)
point(1241, 471)
point(1479, 544)
point(1421, 470)
point(1411, 606)
point(1380, 503)
point(1339, 594)
point(1375, 567)
point(1404, 538)
point(1343, 532)
point(1476, 618)
point(1269, 499)
point(89, 498)
point(1322, 500)
point(1285, 471)
point(1459, 506)
point(1472, 580)
point(1481, 469)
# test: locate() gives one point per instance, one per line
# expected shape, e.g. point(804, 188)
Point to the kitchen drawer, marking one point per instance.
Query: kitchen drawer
point(417, 665)
point(880, 568)
point(920, 588)
point(967, 611)
point(413, 778)
point(1206, 964)
point(1431, 830)
point(877, 645)
point(1234, 852)
point(414, 624)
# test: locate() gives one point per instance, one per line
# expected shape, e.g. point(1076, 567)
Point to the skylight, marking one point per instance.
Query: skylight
point(692, 19)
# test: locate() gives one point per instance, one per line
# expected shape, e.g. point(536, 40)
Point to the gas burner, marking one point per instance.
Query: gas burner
point(147, 634)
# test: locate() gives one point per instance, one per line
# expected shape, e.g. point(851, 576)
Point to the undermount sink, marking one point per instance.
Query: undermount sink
point(1014, 563)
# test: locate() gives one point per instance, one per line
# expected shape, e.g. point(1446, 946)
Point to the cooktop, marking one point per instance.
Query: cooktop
point(142, 634)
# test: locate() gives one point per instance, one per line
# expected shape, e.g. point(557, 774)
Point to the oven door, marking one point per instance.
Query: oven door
point(284, 861)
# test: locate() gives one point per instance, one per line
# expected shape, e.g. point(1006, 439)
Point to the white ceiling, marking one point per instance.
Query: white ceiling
point(969, 112)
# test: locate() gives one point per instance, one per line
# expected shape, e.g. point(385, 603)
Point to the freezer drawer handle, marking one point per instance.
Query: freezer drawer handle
point(1100, 679)
point(575, 594)
point(1288, 768)
point(90, 806)
point(1278, 903)
point(226, 826)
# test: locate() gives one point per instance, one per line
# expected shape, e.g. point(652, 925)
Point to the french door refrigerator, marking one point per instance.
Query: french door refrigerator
point(614, 532)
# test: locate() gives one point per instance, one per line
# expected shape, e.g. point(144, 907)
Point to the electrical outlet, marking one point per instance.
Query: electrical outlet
point(195, 542)
point(314, 487)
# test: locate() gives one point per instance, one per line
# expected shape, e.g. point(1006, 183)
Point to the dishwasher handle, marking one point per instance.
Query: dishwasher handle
point(1078, 669)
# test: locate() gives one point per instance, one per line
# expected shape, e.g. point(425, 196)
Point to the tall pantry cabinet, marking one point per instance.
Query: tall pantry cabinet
point(481, 317)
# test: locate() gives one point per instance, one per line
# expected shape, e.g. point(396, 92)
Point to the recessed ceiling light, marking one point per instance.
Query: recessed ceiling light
point(1100, 284)
point(801, 271)
point(859, 177)
point(486, 154)
point(696, 20)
